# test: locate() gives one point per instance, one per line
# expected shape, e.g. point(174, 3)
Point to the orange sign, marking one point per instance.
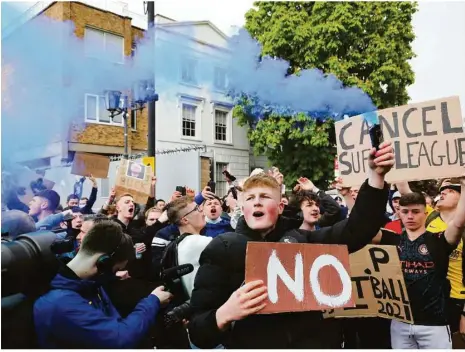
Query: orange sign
point(301, 277)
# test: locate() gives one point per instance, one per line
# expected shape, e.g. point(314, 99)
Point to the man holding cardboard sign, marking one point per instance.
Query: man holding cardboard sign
point(225, 309)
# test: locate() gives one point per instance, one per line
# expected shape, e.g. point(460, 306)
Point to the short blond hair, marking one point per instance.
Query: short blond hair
point(152, 209)
point(124, 195)
point(261, 180)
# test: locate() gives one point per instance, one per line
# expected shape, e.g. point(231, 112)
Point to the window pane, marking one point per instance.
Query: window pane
point(104, 187)
point(188, 72)
point(188, 120)
point(93, 42)
point(104, 115)
point(114, 47)
point(219, 78)
point(221, 184)
point(91, 107)
point(220, 125)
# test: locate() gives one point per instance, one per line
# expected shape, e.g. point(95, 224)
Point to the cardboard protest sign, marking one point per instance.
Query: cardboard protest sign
point(428, 139)
point(135, 179)
point(86, 164)
point(378, 286)
point(311, 276)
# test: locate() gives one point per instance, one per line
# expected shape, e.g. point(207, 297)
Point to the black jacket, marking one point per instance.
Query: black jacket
point(140, 233)
point(222, 269)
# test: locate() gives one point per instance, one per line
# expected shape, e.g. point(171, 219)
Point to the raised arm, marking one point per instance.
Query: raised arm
point(456, 227)
point(367, 216)
point(403, 188)
point(87, 209)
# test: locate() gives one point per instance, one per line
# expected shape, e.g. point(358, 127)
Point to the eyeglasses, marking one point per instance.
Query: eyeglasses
point(196, 208)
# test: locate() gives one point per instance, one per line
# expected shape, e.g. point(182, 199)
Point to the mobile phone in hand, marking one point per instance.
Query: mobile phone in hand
point(212, 185)
point(376, 136)
point(181, 190)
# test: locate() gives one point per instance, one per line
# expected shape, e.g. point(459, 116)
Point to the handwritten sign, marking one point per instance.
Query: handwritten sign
point(300, 277)
point(428, 139)
point(137, 187)
point(85, 164)
point(378, 286)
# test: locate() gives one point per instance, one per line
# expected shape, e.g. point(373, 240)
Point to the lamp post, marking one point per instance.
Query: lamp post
point(116, 103)
point(151, 110)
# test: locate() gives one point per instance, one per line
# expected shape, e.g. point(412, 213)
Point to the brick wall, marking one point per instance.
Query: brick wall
point(84, 15)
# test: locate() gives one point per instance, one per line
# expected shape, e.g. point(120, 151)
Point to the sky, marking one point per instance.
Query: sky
point(439, 28)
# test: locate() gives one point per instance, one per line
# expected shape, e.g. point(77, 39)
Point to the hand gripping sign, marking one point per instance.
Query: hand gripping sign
point(301, 277)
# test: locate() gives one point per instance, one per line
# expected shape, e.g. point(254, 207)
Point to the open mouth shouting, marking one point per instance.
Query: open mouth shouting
point(258, 214)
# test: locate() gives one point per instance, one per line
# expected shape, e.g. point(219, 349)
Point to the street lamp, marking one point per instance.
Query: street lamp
point(116, 103)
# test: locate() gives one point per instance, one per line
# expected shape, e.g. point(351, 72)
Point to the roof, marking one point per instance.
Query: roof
point(193, 23)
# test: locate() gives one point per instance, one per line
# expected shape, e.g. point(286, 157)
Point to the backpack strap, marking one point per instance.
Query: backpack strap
point(171, 250)
point(177, 241)
point(431, 217)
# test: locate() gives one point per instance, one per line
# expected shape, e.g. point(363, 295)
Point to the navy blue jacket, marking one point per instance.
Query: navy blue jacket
point(78, 314)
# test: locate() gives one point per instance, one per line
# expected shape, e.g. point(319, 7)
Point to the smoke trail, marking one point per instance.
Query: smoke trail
point(311, 91)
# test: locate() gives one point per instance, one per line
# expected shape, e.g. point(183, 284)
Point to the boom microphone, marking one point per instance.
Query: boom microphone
point(177, 272)
point(172, 278)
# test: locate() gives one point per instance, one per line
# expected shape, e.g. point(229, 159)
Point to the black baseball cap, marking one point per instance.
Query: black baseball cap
point(454, 187)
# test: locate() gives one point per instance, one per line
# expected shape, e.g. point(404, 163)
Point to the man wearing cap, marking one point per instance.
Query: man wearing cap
point(395, 225)
point(42, 207)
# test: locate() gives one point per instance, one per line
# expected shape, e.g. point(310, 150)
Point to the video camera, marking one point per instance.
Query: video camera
point(28, 263)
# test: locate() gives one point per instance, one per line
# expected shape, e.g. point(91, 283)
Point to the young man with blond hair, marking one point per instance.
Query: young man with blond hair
point(225, 308)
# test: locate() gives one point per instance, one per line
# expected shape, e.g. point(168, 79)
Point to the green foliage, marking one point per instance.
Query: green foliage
point(364, 44)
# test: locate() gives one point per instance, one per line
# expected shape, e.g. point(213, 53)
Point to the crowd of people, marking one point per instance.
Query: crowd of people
point(115, 286)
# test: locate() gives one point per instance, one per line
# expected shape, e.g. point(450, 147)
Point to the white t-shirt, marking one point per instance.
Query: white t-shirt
point(189, 250)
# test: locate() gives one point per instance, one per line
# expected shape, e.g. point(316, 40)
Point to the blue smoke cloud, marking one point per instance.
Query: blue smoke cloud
point(46, 72)
point(270, 90)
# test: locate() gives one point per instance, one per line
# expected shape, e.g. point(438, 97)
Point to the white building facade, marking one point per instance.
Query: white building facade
point(197, 109)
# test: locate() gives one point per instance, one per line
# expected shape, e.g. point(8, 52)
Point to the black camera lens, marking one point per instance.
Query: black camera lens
point(27, 262)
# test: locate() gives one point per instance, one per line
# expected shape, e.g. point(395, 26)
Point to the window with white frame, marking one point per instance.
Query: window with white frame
point(99, 44)
point(219, 78)
point(104, 187)
point(189, 112)
point(96, 111)
point(188, 71)
point(221, 184)
point(222, 125)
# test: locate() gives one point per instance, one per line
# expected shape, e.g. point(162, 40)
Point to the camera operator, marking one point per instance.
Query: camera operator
point(77, 313)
